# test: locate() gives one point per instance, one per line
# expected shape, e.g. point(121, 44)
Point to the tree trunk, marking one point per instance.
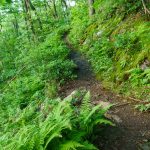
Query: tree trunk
point(36, 14)
point(1, 23)
point(55, 10)
point(29, 18)
point(1, 27)
point(91, 8)
point(65, 4)
point(46, 9)
point(16, 25)
point(26, 20)
point(147, 11)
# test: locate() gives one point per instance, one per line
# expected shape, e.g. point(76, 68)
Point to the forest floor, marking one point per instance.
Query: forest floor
point(132, 129)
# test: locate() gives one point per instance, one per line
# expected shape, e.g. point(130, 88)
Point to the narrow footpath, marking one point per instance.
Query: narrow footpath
point(132, 129)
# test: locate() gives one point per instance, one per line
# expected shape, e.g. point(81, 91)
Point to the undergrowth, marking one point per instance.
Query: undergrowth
point(53, 124)
point(31, 117)
point(116, 42)
point(37, 73)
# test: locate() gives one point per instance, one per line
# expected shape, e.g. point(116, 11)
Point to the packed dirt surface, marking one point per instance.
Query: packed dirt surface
point(132, 130)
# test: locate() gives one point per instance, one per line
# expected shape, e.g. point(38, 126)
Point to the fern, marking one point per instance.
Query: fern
point(70, 145)
point(86, 105)
point(89, 146)
point(91, 113)
point(52, 124)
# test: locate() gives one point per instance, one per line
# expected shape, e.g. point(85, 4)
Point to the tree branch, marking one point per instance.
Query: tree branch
point(147, 11)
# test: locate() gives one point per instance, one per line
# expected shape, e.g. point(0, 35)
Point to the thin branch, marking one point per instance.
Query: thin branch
point(147, 11)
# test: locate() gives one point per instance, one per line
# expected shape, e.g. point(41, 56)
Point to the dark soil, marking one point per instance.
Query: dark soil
point(132, 130)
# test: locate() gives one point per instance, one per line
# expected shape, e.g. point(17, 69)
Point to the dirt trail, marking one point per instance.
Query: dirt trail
point(132, 129)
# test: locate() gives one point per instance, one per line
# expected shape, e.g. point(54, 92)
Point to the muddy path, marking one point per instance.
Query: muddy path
point(132, 130)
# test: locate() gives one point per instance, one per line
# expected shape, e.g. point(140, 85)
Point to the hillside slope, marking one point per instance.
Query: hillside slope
point(116, 42)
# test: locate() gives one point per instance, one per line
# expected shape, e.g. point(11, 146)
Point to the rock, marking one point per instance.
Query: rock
point(124, 100)
point(70, 97)
point(104, 104)
point(87, 41)
point(114, 118)
point(145, 65)
point(145, 140)
point(99, 33)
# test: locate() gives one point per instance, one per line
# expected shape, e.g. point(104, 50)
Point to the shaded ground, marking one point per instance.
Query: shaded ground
point(132, 129)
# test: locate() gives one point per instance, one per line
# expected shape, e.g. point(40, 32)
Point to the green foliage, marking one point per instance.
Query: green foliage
point(4, 1)
point(79, 21)
point(116, 42)
point(143, 107)
point(139, 77)
point(100, 55)
point(36, 71)
point(52, 124)
point(34, 63)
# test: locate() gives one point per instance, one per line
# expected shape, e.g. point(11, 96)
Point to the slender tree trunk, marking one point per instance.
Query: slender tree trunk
point(46, 9)
point(29, 18)
point(147, 11)
point(1, 23)
point(91, 8)
point(65, 4)
point(55, 10)
point(1, 27)
point(36, 14)
point(16, 25)
point(26, 20)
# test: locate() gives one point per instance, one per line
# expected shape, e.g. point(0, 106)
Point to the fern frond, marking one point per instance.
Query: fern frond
point(91, 113)
point(70, 145)
point(89, 146)
point(103, 121)
point(54, 135)
point(77, 136)
point(86, 105)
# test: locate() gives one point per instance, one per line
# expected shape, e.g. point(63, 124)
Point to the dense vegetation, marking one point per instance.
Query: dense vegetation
point(116, 41)
point(53, 124)
point(34, 63)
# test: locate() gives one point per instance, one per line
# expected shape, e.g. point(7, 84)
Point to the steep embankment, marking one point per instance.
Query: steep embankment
point(132, 127)
point(116, 42)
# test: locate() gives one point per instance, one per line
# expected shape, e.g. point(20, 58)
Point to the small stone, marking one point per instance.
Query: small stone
point(99, 33)
point(71, 95)
point(145, 140)
point(115, 118)
point(124, 100)
point(104, 104)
